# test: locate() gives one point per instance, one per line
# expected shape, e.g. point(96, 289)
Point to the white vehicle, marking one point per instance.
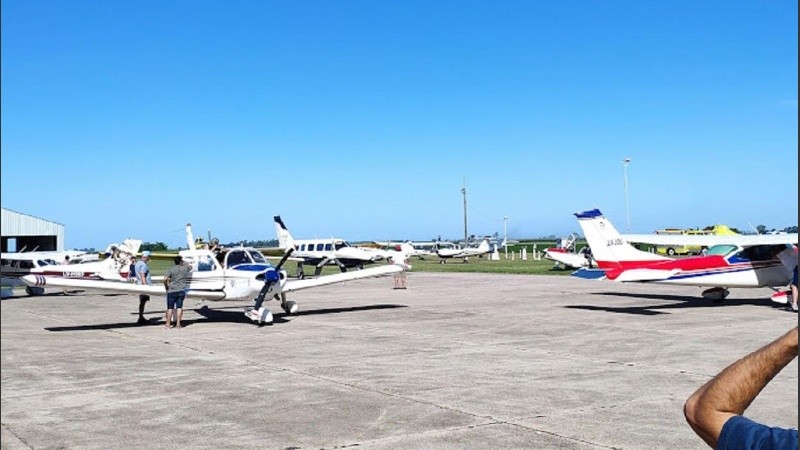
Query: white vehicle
point(319, 252)
point(243, 274)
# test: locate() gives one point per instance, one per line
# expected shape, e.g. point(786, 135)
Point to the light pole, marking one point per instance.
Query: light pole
point(505, 235)
point(625, 163)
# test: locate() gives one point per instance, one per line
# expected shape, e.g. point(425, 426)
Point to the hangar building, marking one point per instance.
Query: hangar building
point(22, 231)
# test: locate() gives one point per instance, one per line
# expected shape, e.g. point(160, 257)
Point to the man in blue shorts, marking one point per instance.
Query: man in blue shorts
point(176, 281)
point(715, 410)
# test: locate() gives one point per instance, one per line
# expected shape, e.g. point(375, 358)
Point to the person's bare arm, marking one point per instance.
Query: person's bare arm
point(732, 390)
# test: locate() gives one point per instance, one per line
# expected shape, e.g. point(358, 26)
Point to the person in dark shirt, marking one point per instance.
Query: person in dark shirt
point(176, 281)
point(715, 410)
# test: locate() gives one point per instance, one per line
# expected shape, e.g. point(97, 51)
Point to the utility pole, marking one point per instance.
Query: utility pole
point(464, 191)
point(505, 234)
point(625, 163)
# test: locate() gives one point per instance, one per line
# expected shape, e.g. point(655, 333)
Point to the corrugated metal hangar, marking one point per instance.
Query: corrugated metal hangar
point(23, 232)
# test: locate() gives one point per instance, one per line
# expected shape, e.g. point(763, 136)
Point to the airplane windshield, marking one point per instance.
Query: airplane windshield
point(257, 256)
point(237, 257)
point(721, 250)
point(341, 244)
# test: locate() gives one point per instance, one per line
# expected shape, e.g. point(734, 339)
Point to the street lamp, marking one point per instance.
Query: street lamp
point(625, 163)
point(505, 235)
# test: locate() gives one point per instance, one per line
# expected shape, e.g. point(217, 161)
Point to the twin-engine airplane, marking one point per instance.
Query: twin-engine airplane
point(243, 274)
point(445, 252)
point(115, 267)
point(319, 252)
point(744, 262)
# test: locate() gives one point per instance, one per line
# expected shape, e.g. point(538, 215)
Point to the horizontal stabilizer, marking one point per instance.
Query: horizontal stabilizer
point(590, 274)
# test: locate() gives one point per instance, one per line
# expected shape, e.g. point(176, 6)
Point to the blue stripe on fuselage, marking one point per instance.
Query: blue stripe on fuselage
point(252, 267)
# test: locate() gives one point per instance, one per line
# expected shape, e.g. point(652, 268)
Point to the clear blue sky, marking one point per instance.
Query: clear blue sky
point(360, 118)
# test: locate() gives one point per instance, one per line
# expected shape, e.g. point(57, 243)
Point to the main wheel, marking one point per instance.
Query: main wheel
point(671, 251)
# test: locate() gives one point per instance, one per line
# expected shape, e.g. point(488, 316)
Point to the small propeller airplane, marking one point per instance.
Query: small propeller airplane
point(243, 274)
point(114, 268)
point(445, 252)
point(319, 252)
point(565, 255)
point(740, 261)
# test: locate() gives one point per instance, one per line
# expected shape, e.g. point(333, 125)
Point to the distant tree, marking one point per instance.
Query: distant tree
point(792, 229)
point(761, 229)
point(154, 247)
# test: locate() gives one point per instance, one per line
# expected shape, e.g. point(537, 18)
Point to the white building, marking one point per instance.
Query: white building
point(25, 232)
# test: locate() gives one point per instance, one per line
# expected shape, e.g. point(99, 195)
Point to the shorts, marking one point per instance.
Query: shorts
point(794, 276)
point(175, 299)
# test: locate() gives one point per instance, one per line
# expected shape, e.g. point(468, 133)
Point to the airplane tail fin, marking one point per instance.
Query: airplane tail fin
point(484, 246)
point(609, 248)
point(285, 239)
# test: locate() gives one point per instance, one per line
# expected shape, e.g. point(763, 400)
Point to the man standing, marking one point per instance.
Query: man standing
point(143, 278)
point(175, 282)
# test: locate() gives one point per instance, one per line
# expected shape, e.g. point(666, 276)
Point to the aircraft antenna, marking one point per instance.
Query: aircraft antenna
point(464, 192)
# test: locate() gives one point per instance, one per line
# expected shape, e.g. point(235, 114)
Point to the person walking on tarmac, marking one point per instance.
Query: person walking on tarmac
point(143, 278)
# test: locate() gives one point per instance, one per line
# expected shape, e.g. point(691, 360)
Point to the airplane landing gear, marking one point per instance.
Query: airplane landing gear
point(261, 316)
point(717, 294)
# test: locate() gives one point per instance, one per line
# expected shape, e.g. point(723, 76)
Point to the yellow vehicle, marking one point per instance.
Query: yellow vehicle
point(671, 250)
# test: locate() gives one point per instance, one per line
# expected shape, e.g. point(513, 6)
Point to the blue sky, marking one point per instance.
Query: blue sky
point(360, 119)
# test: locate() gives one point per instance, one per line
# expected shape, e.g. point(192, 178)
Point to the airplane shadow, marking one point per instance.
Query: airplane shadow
point(679, 302)
point(221, 315)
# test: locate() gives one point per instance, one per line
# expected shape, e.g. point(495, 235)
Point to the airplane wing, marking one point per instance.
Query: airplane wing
point(296, 285)
point(115, 286)
point(707, 240)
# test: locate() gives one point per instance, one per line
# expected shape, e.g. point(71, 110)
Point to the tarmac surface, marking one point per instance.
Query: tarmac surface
point(455, 361)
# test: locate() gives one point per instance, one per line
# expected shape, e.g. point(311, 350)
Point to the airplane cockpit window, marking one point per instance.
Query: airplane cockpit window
point(760, 253)
point(341, 244)
point(205, 263)
point(45, 262)
point(24, 264)
point(237, 257)
point(721, 250)
point(328, 247)
point(257, 257)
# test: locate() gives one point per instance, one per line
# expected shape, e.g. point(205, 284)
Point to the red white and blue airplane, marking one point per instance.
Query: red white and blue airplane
point(742, 262)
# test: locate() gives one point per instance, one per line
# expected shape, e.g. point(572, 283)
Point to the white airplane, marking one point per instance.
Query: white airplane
point(448, 250)
point(243, 274)
point(564, 254)
point(743, 262)
point(410, 248)
point(319, 252)
point(14, 266)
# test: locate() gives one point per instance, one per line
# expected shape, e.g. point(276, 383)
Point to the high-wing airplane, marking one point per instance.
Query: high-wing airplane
point(319, 252)
point(243, 274)
point(410, 248)
point(445, 252)
point(749, 262)
point(14, 266)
